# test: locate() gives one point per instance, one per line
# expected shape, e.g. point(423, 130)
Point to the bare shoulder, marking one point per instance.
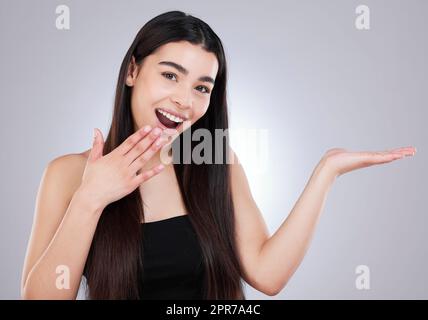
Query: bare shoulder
point(67, 170)
point(60, 180)
point(72, 165)
point(73, 159)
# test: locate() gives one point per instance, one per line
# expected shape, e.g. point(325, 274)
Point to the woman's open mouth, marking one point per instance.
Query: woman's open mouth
point(168, 120)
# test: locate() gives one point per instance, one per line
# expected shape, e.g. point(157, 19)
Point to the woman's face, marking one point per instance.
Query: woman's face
point(172, 86)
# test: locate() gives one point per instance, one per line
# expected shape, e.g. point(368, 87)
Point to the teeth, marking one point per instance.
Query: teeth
point(170, 116)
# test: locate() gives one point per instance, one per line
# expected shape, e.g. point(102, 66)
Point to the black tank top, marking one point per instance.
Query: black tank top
point(172, 260)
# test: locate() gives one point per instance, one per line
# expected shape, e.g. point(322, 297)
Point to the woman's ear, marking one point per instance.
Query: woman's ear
point(131, 76)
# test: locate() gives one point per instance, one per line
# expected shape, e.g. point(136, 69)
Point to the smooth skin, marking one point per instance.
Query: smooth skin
point(68, 209)
point(75, 188)
point(277, 257)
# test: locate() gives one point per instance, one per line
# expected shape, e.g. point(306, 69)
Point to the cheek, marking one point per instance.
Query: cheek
point(146, 94)
point(156, 89)
point(200, 110)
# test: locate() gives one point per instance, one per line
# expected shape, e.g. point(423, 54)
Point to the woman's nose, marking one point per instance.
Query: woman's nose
point(183, 98)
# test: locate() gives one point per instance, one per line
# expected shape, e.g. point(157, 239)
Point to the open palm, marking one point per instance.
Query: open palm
point(341, 161)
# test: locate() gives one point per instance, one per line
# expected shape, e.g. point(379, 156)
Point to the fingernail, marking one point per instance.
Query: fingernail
point(94, 134)
point(157, 131)
point(146, 129)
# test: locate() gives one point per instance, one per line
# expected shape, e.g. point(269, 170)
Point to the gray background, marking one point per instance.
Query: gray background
point(297, 68)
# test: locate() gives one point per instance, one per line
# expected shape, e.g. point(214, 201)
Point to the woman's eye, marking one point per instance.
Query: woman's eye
point(204, 88)
point(172, 76)
point(169, 75)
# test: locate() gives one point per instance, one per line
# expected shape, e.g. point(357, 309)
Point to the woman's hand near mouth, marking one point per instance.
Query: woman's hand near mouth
point(111, 177)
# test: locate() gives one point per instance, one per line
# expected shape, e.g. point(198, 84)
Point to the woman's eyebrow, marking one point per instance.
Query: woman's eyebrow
point(183, 70)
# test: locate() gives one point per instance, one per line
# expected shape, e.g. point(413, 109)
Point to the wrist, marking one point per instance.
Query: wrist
point(88, 203)
point(324, 169)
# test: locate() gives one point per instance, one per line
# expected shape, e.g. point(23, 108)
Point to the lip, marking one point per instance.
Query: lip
point(167, 130)
point(173, 113)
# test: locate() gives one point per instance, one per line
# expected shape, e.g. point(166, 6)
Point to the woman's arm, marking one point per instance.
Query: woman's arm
point(283, 252)
point(72, 196)
point(270, 261)
point(58, 238)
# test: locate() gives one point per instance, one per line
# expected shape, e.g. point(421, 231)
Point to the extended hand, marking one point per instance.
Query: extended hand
point(340, 161)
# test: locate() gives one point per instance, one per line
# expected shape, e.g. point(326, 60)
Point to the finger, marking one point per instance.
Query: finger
point(405, 153)
point(394, 156)
point(379, 158)
point(142, 145)
point(97, 146)
point(408, 147)
point(404, 149)
point(146, 175)
point(394, 153)
point(402, 152)
point(140, 161)
point(133, 139)
point(372, 158)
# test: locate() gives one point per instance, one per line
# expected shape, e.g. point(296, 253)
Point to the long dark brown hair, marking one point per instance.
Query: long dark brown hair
point(114, 262)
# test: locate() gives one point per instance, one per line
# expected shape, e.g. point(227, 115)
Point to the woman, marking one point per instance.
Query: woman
point(137, 228)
